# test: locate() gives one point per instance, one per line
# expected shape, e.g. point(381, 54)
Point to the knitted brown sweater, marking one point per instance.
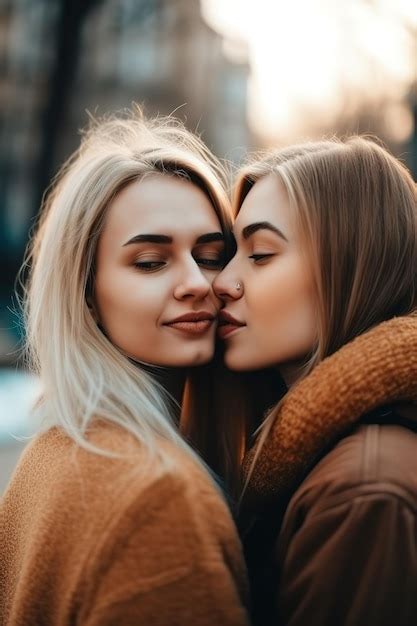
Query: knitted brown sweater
point(92, 540)
point(376, 368)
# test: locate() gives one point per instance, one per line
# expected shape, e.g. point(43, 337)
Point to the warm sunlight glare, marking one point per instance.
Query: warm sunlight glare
point(313, 61)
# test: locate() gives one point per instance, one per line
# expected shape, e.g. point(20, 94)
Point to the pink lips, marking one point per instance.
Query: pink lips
point(227, 324)
point(193, 323)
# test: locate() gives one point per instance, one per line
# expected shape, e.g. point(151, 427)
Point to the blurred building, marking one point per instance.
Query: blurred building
point(163, 54)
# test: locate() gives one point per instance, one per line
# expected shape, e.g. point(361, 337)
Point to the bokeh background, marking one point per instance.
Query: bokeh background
point(246, 75)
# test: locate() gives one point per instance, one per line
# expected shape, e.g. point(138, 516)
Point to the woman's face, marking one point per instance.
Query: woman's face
point(160, 249)
point(270, 320)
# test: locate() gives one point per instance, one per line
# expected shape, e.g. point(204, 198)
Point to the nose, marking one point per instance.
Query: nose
point(227, 285)
point(193, 283)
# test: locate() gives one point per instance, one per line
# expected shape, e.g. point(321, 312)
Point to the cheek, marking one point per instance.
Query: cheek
point(282, 312)
point(211, 276)
point(128, 308)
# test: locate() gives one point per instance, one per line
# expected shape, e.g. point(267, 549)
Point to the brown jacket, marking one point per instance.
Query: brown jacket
point(91, 540)
point(333, 498)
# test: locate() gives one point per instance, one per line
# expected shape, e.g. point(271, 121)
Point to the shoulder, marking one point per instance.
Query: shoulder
point(119, 481)
point(365, 487)
point(90, 504)
point(112, 458)
point(353, 519)
point(124, 533)
point(373, 460)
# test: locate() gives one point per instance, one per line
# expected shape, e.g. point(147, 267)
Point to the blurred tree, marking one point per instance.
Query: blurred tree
point(71, 18)
point(72, 14)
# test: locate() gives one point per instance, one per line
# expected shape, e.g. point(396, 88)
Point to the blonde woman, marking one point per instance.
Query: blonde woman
point(110, 517)
point(323, 291)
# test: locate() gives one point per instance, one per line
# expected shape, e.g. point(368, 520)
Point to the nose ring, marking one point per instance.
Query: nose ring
point(238, 286)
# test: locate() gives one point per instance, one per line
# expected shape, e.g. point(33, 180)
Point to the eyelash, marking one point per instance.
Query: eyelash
point(149, 266)
point(211, 264)
point(259, 257)
point(153, 266)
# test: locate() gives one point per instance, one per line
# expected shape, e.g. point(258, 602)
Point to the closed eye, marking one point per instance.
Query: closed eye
point(149, 266)
point(260, 257)
point(212, 264)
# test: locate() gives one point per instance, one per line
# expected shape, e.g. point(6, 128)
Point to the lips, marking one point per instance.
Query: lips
point(228, 324)
point(196, 323)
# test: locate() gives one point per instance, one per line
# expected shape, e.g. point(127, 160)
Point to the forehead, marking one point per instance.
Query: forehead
point(266, 201)
point(161, 204)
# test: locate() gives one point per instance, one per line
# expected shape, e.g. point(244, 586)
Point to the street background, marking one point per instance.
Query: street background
point(245, 75)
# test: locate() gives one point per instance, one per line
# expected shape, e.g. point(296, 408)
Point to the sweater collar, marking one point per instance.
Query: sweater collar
point(376, 368)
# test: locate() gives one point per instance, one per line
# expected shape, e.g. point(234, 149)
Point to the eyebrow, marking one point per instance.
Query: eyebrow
point(248, 231)
point(209, 237)
point(166, 239)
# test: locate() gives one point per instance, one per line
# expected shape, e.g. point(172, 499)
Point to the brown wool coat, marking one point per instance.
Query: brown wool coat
point(91, 540)
point(333, 496)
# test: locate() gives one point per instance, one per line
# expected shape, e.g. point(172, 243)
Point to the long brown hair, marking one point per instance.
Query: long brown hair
point(355, 207)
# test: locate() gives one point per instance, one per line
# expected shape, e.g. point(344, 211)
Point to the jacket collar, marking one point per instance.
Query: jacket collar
point(376, 368)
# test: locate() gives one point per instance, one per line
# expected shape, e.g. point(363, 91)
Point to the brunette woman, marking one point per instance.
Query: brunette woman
point(110, 517)
point(322, 290)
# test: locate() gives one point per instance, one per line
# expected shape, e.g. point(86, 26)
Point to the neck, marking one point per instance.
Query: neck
point(171, 379)
point(292, 372)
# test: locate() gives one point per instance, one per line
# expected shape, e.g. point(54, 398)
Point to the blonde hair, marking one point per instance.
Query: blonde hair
point(84, 376)
point(355, 207)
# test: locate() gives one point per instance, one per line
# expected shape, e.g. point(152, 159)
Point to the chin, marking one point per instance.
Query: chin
point(239, 361)
point(202, 357)
point(236, 363)
point(199, 357)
